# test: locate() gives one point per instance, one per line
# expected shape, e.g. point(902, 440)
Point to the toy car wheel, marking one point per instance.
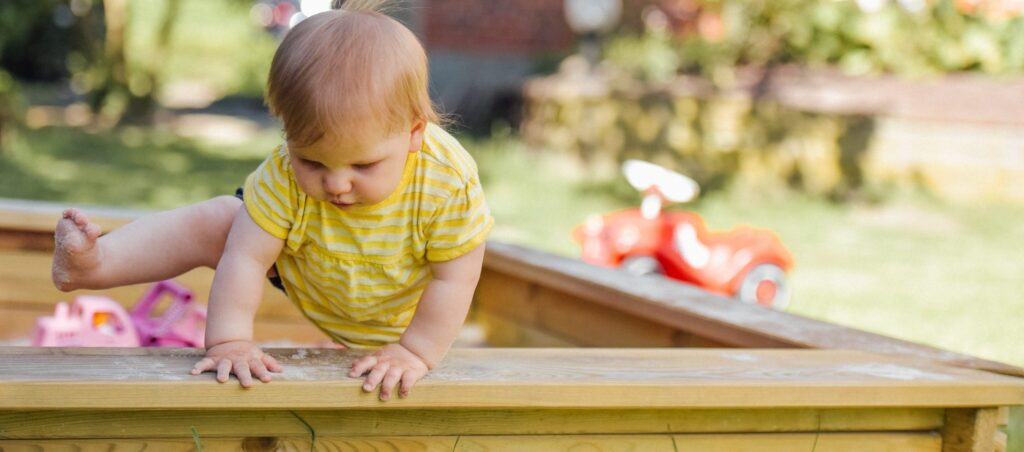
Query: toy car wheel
point(765, 285)
point(641, 266)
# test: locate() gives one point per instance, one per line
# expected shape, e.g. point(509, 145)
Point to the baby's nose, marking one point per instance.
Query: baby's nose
point(337, 184)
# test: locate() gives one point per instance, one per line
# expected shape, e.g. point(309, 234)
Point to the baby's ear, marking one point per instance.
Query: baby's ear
point(419, 128)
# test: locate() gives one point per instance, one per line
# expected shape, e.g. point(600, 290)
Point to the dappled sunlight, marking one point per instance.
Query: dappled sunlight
point(215, 129)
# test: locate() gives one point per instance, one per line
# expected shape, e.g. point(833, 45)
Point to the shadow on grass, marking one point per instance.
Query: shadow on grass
point(130, 167)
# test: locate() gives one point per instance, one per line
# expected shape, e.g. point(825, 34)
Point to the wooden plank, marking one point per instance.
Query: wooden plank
point(589, 325)
point(26, 279)
point(42, 216)
point(634, 421)
point(26, 240)
point(135, 424)
point(549, 318)
point(695, 443)
point(506, 378)
point(695, 311)
point(832, 442)
point(227, 423)
point(507, 296)
point(904, 442)
point(1003, 416)
point(501, 332)
point(18, 322)
point(969, 430)
point(602, 443)
point(169, 445)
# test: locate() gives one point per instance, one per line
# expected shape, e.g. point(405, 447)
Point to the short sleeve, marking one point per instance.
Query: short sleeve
point(270, 195)
point(460, 224)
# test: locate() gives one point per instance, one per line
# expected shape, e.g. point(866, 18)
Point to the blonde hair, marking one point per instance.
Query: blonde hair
point(349, 74)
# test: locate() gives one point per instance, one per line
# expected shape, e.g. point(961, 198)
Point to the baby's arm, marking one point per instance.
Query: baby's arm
point(441, 311)
point(234, 297)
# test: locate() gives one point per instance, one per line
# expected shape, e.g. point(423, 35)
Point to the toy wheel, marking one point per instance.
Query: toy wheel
point(765, 285)
point(641, 266)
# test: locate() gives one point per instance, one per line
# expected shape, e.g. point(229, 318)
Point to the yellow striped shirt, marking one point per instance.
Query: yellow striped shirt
point(358, 273)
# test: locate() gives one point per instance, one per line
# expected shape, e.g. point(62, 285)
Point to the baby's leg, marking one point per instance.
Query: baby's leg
point(152, 248)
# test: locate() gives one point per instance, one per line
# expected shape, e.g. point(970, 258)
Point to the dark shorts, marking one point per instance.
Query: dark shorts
point(274, 280)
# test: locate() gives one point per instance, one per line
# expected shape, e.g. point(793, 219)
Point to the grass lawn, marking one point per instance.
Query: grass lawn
point(913, 268)
point(947, 275)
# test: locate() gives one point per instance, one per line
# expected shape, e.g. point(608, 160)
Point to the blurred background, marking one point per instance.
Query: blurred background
point(883, 141)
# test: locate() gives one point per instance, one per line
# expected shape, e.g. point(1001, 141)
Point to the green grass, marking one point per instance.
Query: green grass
point(131, 168)
point(946, 275)
point(941, 274)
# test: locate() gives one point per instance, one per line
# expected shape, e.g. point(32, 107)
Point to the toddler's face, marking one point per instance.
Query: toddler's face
point(350, 175)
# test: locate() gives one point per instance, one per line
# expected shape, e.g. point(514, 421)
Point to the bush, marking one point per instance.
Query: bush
point(911, 37)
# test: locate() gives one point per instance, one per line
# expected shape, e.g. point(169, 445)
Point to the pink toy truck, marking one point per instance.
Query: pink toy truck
point(95, 321)
point(92, 321)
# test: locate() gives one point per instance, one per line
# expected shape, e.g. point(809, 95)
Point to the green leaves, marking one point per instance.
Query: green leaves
point(937, 38)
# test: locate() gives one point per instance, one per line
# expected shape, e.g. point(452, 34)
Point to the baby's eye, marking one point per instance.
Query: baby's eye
point(312, 163)
point(364, 166)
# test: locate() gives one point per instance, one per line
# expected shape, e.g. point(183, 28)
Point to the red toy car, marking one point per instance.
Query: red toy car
point(749, 264)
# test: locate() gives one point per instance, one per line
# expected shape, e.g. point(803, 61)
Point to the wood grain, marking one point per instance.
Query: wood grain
point(501, 332)
point(849, 442)
point(510, 378)
point(839, 442)
point(70, 424)
point(969, 430)
point(693, 311)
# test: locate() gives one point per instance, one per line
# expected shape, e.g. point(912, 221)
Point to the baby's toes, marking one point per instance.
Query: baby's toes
point(92, 231)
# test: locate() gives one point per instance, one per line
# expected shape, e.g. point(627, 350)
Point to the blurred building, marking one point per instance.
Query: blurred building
point(482, 51)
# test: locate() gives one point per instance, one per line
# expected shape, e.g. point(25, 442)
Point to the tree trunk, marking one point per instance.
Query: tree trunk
point(141, 107)
point(138, 107)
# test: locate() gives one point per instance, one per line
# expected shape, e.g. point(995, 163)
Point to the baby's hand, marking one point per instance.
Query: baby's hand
point(389, 366)
point(242, 358)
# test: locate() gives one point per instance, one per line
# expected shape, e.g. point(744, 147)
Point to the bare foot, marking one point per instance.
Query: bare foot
point(76, 255)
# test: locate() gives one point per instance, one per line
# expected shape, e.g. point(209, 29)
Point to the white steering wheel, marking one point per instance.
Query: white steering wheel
point(673, 186)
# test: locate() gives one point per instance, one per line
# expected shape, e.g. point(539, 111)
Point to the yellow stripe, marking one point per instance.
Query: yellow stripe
point(452, 253)
point(359, 274)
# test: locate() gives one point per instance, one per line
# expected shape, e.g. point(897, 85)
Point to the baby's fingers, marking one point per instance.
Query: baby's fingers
point(409, 379)
point(223, 370)
point(375, 377)
point(391, 379)
point(203, 365)
point(362, 365)
point(243, 374)
point(259, 370)
point(271, 363)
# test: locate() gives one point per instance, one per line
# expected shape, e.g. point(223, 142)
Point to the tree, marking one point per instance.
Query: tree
point(126, 90)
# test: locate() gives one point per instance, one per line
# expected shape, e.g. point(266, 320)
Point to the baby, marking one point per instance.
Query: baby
point(369, 216)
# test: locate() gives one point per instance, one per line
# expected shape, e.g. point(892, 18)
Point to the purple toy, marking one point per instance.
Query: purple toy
point(182, 324)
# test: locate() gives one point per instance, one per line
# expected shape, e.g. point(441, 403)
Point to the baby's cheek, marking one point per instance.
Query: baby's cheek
point(307, 185)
